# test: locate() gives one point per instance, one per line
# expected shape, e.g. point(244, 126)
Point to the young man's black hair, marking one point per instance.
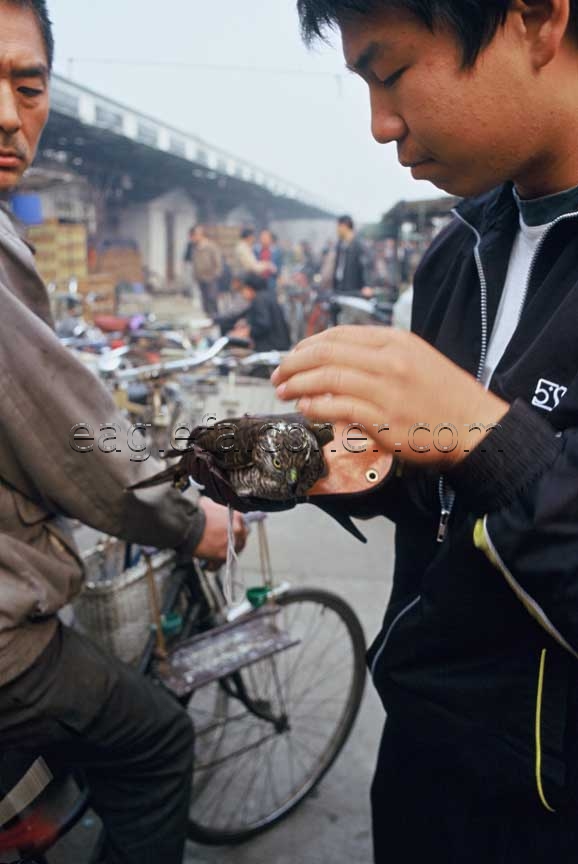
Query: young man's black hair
point(347, 221)
point(474, 22)
point(254, 281)
point(247, 232)
point(41, 12)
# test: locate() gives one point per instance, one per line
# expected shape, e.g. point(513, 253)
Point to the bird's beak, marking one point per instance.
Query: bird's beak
point(292, 478)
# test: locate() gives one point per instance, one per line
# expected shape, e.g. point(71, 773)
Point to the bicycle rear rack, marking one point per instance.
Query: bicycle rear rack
point(222, 651)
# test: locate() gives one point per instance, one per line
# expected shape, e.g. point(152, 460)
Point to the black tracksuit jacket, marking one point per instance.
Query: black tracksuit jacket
point(479, 646)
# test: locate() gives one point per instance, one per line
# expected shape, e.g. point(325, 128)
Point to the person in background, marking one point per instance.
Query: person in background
point(262, 320)
point(268, 251)
point(188, 260)
point(207, 269)
point(352, 274)
point(308, 261)
point(245, 259)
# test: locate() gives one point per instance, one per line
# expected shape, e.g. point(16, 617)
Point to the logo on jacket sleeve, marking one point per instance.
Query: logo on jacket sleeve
point(548, 395)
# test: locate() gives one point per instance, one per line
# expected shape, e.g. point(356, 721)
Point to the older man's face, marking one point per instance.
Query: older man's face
point(24, 95)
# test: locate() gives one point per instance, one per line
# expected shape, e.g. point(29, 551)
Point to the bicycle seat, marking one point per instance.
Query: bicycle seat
point(38, 805)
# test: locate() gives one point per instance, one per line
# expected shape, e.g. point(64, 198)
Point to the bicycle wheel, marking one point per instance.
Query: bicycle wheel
point(258, 757)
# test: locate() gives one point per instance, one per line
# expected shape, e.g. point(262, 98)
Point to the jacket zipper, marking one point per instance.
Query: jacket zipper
point(563, 218)
point(447, 496)
point(390, 630)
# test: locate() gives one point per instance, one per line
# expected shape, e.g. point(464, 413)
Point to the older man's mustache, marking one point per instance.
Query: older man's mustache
point(8, 144)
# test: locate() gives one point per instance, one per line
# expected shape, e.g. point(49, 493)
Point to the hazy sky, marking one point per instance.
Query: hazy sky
point(310, 124)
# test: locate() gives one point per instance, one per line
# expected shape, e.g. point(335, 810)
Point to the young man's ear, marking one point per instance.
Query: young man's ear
point(545, 25)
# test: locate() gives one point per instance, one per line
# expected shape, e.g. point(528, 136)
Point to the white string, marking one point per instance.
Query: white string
point(230, 582)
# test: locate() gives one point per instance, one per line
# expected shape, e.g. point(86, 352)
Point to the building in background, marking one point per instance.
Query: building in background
point(136, 186)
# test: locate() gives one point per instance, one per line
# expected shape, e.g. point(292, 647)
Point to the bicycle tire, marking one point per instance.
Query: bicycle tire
point(208, 830)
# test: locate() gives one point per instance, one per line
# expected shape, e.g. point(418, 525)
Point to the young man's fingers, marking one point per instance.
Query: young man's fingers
point(338, 380)
point(351, 334)
point(331, 353)
point(342, 409)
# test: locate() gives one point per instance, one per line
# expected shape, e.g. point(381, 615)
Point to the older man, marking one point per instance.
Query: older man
point(59, 694)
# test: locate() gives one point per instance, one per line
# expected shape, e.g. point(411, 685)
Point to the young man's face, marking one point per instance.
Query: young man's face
point(24, 97)
point(465, 130)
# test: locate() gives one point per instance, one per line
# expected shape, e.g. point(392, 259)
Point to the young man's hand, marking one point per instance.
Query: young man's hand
point(381, 377)
point(353, 464)
point(213, 545)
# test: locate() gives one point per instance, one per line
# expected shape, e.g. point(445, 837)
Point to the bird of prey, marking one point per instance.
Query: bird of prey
point(274, 457)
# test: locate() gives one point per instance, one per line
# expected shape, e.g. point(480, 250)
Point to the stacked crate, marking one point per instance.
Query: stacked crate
point(61, 251)
point(98, 292)
point(122, 264)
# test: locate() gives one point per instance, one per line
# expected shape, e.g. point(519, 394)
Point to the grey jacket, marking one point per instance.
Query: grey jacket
point(44, 392)
point(207, 262)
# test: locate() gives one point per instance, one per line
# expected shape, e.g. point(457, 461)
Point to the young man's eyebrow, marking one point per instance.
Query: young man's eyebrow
point(36, 71)
point(367, 56)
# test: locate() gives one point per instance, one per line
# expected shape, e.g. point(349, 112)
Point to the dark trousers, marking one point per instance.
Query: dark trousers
point(210, 298)
point(427, 807)
point(80, 708)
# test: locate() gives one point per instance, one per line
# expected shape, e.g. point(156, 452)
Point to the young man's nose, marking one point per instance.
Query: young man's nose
point(386, 124)
point(10, 122)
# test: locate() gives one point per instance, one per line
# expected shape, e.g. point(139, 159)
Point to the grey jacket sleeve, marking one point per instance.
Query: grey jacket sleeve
point(45, 392)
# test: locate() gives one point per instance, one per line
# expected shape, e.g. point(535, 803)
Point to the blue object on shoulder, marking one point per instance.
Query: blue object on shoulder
point(27, 208)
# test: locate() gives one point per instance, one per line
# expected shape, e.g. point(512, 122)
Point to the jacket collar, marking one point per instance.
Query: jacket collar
point(489, 209)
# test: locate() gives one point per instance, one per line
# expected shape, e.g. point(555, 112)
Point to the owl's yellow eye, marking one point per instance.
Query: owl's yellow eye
point(277, 463)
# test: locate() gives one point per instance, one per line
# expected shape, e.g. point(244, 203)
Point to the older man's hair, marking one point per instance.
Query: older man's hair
point(40, 10)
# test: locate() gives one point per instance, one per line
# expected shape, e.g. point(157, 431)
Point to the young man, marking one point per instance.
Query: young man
point(60, 696)
point(477, 662)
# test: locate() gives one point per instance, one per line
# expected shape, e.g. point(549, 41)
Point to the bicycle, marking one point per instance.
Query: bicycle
point(329, 309)
point(267, 732)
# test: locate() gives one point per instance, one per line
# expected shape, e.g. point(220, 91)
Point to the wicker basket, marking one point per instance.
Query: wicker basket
point(105, 562)
point(116, 613)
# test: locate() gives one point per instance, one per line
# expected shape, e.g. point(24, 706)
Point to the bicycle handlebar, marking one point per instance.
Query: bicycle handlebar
point(156, 371)
point(369, 306)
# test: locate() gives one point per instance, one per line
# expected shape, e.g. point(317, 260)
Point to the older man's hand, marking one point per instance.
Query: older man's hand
point(214, 542)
